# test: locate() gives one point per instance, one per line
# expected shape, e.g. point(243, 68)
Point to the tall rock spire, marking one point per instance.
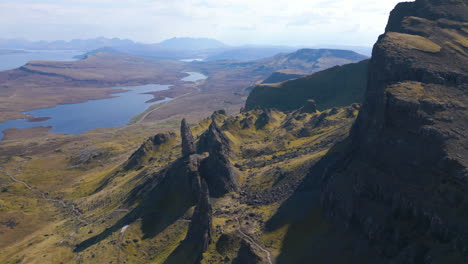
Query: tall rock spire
point(220, 176)
point(188, 142)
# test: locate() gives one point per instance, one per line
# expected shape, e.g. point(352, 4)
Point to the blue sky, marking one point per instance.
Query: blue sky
point(279, 22)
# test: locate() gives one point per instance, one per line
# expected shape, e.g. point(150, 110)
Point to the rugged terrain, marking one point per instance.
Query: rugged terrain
point(402, 184)
point(82, 191)
point(316, 180)
point(139, 209)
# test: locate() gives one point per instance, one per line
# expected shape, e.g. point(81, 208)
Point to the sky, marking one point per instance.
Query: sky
point(235, 22)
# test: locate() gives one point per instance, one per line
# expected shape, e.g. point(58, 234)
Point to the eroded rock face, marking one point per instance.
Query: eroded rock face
point(141, 155)
point(403, 184)
point(309, 107)
point(186, 173)
point(218, 172)
point(200, 228)
point(188, 143)
point(264, 118)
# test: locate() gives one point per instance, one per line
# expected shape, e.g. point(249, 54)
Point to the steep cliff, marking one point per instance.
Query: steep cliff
point(402, 184)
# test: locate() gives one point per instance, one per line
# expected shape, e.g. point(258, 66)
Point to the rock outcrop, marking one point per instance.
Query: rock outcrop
point(142, 155)
point(188, 142)
point(309, 107)
point(216, 169)
point(403, 183)
point(264, 118)
point(199, 233)
point(200, 228)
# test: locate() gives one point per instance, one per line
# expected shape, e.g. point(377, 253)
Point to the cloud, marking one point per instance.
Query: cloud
point(290, 22)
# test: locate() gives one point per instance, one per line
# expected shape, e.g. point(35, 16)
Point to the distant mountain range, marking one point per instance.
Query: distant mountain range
point(174, 48)
point(192, 44)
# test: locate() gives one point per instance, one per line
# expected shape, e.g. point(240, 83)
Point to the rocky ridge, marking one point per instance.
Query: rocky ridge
point(402, 183)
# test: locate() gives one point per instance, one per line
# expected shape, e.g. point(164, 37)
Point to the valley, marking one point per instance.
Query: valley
point(42, 84)
point(53, 173)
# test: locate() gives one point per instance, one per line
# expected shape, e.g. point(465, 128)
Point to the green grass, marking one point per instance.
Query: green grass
point(335, 87)
point(414, 42)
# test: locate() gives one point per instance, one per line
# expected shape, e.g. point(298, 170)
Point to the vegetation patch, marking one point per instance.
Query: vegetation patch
point(414, 42)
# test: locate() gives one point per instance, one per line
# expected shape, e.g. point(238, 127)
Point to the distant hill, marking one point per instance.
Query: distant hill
point(173, 49)
point(364, 50)
point(75, 44)
point(249, 53)
point(93, 52)
point(192, 44)
point(281, 76)
point(306, 61)
point(337, 86)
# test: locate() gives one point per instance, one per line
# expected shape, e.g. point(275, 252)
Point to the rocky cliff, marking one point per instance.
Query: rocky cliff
point(221, 176)
point(402, 184)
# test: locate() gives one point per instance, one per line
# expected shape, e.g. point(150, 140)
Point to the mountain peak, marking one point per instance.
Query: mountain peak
point(186, 43)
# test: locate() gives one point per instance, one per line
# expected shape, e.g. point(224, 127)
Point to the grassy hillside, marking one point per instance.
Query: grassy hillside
point(281, 76)
point(337, 86)
point(97, 207)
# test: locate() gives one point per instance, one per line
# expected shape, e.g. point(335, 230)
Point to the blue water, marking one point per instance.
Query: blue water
point(193, 77)
point(81, 117)
point(16, 60)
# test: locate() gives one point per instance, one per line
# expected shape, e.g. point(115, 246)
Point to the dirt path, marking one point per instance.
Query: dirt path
point(268, 254)
point(76, 213)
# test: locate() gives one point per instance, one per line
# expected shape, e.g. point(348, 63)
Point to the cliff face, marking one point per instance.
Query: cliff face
point(403, 183)
point(221, 176)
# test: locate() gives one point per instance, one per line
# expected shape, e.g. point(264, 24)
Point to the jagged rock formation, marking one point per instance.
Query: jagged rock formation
point(403, 183)
point(201, 224)
point(143, 153)
point(188, 143)
point(309, 107)
point(198, 236)
point(220, 175)
point(264, 118)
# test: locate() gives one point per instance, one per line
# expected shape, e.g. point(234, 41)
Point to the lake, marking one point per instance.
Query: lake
point(103, 113)
point(19, 58)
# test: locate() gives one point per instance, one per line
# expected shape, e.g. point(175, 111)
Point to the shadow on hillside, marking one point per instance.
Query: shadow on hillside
point(307, 227)
point(310, 235)
point(186, 252)
point(162, 206)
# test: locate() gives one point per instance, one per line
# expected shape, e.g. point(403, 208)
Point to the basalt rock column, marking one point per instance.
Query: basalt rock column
point(218, 172)
point(188, 142)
